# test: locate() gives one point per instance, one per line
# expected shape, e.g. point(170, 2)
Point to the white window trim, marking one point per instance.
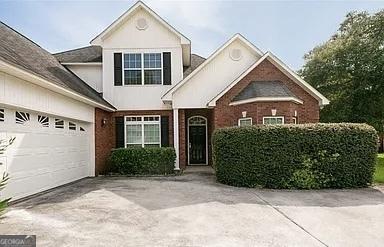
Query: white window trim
point(244, 119)
point(142, 123)
point(269, 117)
point(295, 120)
point(142, 69)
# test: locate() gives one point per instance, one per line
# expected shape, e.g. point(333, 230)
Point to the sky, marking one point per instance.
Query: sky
point(289, 29)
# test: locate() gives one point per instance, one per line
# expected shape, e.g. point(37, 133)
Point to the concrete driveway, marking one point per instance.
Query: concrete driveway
point(194, 210)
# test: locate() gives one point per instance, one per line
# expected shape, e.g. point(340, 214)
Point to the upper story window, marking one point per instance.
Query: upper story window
point(142, 69)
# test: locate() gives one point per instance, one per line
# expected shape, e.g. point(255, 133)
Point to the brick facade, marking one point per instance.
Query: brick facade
point(105, 139)
point(226, 115)
point(184, 115)
point(223, 115)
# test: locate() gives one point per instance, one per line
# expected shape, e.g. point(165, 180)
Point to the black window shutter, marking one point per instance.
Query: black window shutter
point(164, 131)
point(117, 57)
point(167, 68)
point(119, 122)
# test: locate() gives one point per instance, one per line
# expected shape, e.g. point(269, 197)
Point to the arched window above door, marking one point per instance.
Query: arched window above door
point(197, 120)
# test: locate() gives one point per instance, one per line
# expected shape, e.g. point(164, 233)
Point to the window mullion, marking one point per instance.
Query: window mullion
point(142, 68)
point(142, 134)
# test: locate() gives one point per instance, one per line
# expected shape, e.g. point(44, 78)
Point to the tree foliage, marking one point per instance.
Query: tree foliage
point(4, 178)
point(349, 70)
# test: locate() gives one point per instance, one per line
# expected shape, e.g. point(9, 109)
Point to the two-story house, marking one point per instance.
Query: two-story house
point(138, 85)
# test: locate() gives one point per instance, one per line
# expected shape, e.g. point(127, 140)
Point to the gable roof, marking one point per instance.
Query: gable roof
point(18, 51)
point(265, 91)
point(168, 94)
point(257, 89)
point(128, 13)
point(283, 68)
point(185, 42)
point(88, 54)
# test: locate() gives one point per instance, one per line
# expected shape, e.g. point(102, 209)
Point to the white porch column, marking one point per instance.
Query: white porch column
point(176, 137)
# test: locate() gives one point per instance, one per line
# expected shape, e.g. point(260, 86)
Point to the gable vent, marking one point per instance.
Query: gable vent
point(235, 54)
point(141, 24)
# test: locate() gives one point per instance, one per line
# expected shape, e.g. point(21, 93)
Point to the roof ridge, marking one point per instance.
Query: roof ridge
point(22, 35)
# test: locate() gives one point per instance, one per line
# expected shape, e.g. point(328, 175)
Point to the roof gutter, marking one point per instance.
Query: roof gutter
point(31, 77)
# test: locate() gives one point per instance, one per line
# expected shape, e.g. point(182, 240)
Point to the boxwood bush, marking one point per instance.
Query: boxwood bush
point(310, 156)
point(142, 161)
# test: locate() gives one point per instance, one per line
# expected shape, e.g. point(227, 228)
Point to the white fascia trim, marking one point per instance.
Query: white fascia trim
point(22, 74)
point(168, 95)
point(283, 68)
point(97, 40)
point(89, 64)
point(305, 85)
point(212, 102)
point(267, 99)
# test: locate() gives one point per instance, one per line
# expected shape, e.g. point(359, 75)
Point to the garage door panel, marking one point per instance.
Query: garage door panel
point(43, 157)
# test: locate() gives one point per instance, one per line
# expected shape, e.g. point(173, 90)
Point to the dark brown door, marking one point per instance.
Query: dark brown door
point(197, 145)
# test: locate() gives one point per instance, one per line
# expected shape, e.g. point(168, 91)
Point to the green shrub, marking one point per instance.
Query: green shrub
point(309, 156)
point(142, 161)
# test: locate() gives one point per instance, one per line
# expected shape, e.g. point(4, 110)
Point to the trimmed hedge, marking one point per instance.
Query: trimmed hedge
point(142, 161)
point(310, 156)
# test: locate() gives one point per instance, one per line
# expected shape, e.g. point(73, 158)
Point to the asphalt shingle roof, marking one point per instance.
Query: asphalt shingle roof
point(257, 89)
point(94, 54)
point(88, 54)
point(196, 61)
point(23, 53)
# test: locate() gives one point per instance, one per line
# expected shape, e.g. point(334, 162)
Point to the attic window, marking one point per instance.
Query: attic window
point(141, 24)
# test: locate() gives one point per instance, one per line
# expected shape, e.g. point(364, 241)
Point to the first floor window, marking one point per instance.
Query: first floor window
point(294, 120)
point(142, 131)
point(245, 121)
point(273, 120)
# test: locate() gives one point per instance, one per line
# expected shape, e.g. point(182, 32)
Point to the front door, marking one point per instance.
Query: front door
point(197, 144)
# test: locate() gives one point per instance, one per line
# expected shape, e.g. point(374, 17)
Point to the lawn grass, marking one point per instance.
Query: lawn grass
point(379, 173)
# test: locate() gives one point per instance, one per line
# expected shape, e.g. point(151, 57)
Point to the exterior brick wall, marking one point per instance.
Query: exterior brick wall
point(226, 115)
point(182, 140)
point(105, 139)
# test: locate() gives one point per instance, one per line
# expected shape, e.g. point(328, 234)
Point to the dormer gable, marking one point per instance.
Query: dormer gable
point(140, 27)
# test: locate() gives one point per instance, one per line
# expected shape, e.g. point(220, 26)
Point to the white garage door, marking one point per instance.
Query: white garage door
point(48, 151)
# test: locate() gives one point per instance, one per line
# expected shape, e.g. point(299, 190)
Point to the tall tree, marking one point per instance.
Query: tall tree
point(349, 70)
